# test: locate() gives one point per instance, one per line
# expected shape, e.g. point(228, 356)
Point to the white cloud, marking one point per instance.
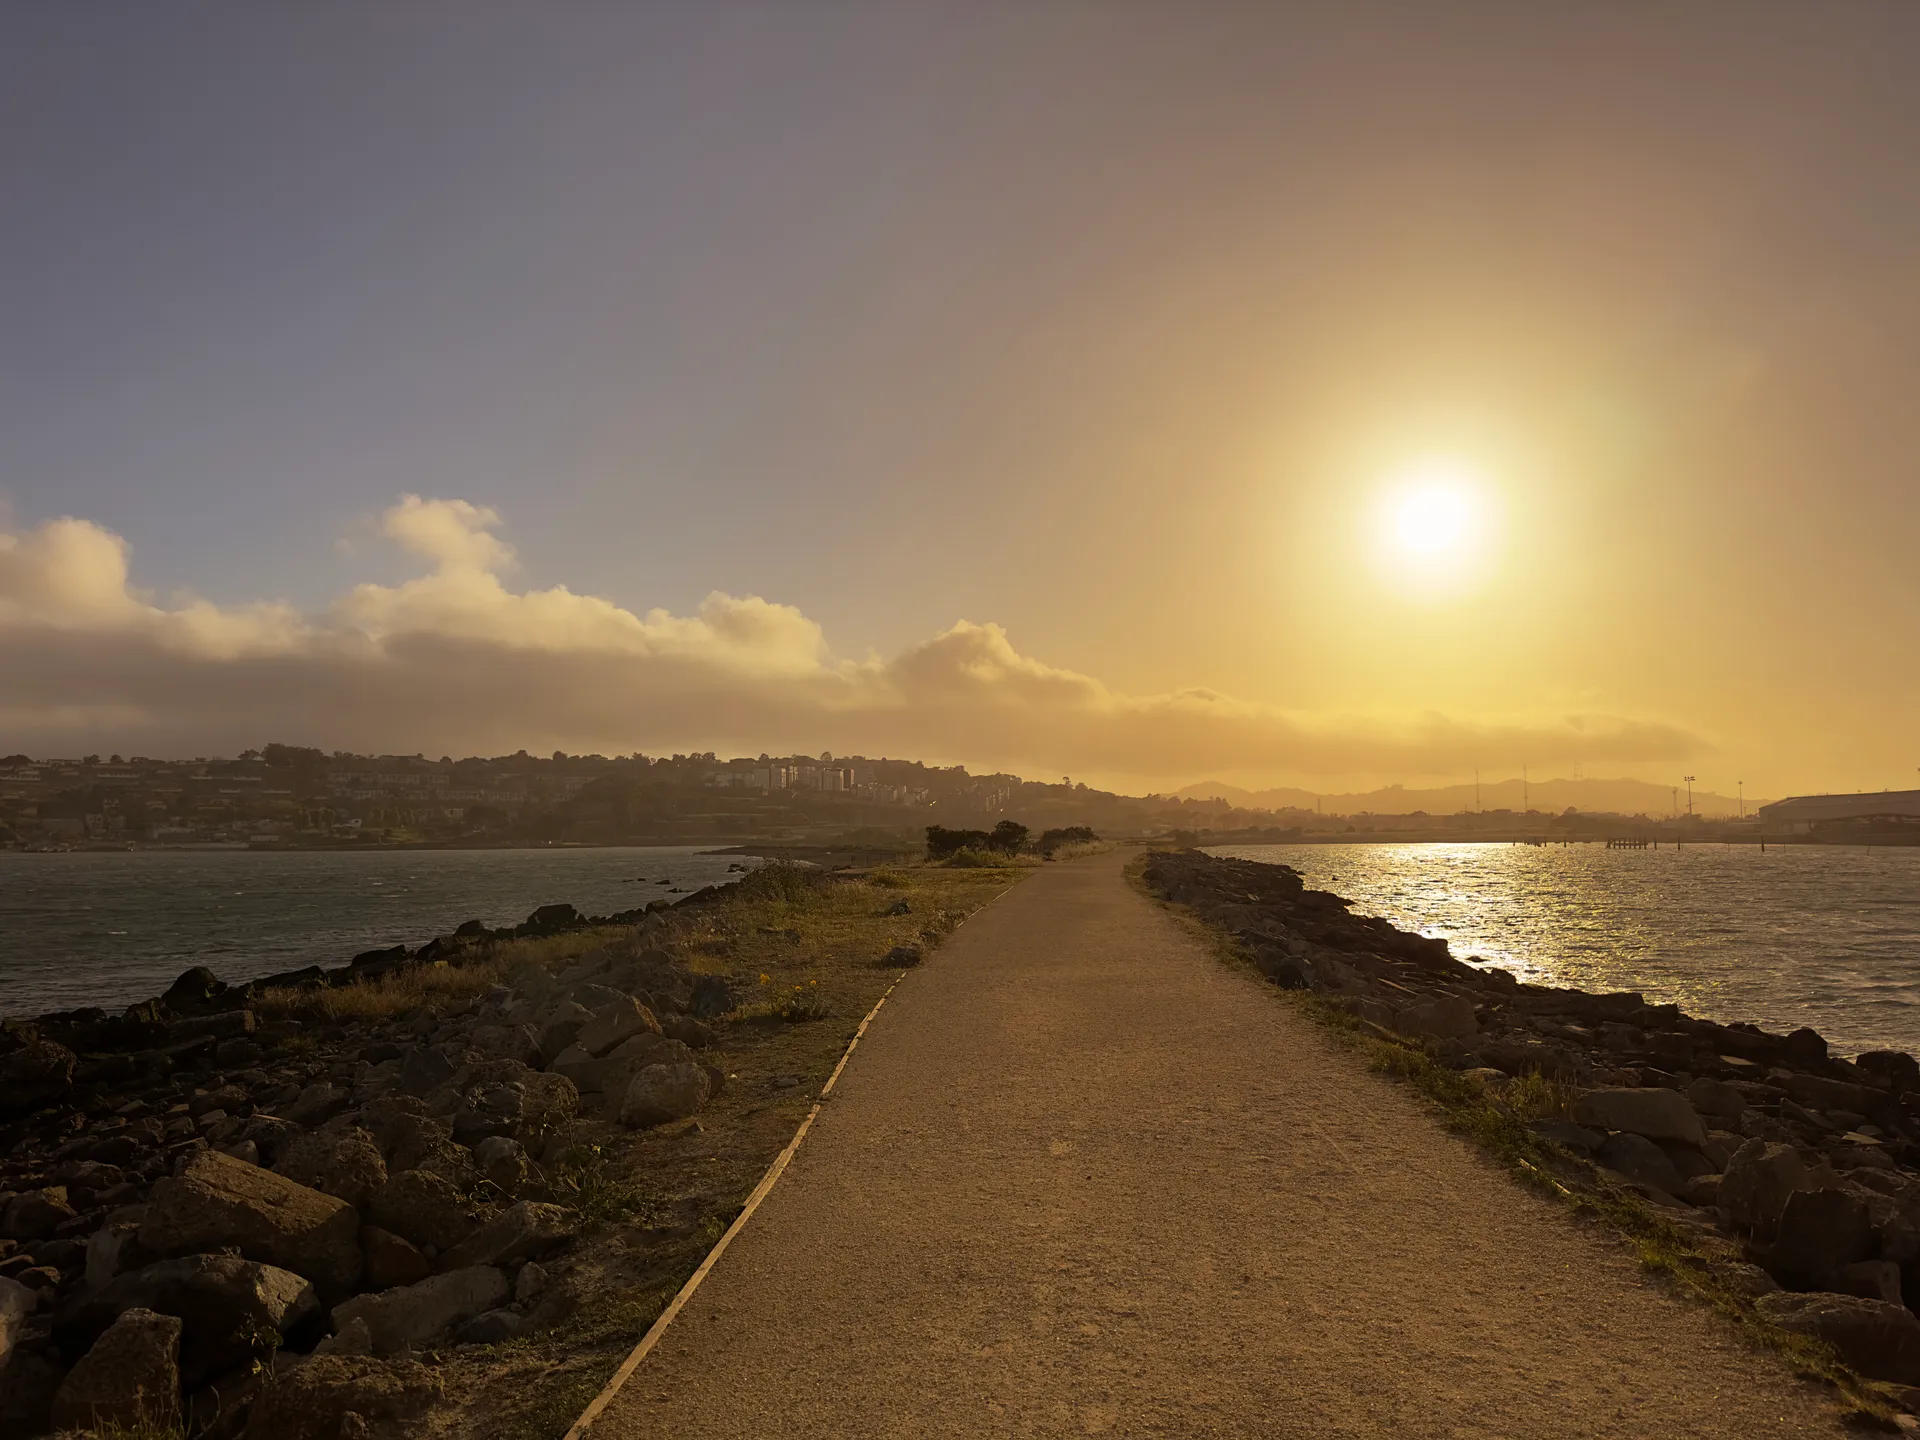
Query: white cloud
point(455, 660)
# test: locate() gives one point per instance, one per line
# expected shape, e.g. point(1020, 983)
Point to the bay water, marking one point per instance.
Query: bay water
point(111, 927)
point(1827, 936)
point(1819, 935)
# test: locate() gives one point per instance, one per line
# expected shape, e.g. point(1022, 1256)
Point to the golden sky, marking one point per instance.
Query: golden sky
point(1284, 395)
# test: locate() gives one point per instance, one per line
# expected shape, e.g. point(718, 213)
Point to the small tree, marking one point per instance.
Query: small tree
point(942, 842)
point(1008, 836)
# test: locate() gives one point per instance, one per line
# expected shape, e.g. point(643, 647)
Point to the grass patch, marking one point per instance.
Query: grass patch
point(119, 1430)
point(1074, 849)
point(385, 998)
point(584, 1182)
point(442, 983)
point(1495, 1118)
point(794, 1005)
point(970, 859)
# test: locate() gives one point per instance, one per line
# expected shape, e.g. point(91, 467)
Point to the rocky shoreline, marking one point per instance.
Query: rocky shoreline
point(232, 1224)
point(1793, 1172)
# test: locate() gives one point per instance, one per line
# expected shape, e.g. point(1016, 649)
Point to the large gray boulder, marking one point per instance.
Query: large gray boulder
point(663, 1093)
point(115, 1247)
point(630, 1057)
point(506, 1042)
point(318, 1103)
point(406, 1136)
point(423, 1207)
point(503, 1162)
point(1820, 1093)
point(1446, 1017)
point(1879, 1339)
point(1818, 1232)
point(345, 1163)
point(1717, 1100)
point(1656, 1113)
point(621, 1020)
point(581, 1066)
point(270, 1135)
point(1758, 1180)
point(230, 1307)
point(409, 1317)
point(525, 1231)
point(563, 1023)
point(33, 1075)
point(218, 1201)
point(1875, 1279)
point(392, 1260)
point(423, 1070)
point(36, 1214)
point(1641, 1161)
point(16, 1303)
point(129, 1380)
point(311, 1401)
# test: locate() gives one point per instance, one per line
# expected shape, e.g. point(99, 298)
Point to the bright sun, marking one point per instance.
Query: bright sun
point(1429, 521)
point(1433, 508)
point(1433, 526)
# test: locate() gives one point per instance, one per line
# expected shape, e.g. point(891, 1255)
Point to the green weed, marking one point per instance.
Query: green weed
point(583, 1182)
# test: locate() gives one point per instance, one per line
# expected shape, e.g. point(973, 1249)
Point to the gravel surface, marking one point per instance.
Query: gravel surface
point(1082, 1178)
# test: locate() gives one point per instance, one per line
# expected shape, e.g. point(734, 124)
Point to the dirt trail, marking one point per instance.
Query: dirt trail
point(1081, 1178)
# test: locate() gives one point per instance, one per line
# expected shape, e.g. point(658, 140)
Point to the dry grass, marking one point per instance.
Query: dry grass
point(438, 984)
point(117, 1430)
point(971, 859)
point(785, 922)
point(1079, 848)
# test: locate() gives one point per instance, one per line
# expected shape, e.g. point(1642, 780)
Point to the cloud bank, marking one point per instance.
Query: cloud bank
point(457, 661)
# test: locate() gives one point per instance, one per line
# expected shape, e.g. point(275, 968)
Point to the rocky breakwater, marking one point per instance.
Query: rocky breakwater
point(265, 1227)
point(1795, 1172)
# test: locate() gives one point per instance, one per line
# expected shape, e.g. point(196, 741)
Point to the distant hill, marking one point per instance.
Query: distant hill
point(1599, 797)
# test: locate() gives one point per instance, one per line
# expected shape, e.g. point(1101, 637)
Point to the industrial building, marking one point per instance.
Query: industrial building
point(1800, 814)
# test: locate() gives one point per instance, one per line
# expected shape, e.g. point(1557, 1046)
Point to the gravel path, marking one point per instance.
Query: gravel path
point(1081, 1178)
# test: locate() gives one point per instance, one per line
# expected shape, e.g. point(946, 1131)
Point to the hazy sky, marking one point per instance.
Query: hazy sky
point(785, 338)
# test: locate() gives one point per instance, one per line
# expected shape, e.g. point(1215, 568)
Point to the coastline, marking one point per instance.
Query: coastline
point(506, 1218)
point(461, 1179)
point(1776, 1181)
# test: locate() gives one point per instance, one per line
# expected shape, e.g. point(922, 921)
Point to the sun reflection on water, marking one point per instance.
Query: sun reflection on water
point(1826, 936)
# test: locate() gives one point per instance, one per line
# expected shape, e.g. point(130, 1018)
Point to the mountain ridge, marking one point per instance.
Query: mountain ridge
point(1600, 797)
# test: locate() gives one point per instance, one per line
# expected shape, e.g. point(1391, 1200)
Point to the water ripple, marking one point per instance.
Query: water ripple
point(1827, 936)
point(113, 927)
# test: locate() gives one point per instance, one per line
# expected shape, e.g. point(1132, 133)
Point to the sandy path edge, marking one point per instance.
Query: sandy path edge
point(1084, 1178)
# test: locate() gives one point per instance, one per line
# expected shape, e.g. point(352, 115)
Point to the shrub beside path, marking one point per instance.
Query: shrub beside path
point(1082, 1178)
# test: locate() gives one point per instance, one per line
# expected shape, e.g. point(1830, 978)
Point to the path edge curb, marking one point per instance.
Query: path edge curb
point(597, 1406)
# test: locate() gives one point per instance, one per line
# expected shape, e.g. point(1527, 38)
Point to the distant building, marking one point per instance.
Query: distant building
point(1800, 813)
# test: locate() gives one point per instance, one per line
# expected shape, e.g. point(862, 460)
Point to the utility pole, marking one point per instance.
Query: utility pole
point(1743, 797)
point(1689, 780)
point(1476, 790)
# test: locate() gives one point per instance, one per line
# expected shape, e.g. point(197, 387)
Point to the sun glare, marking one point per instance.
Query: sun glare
point(1429, 521)
point(1433, 522)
